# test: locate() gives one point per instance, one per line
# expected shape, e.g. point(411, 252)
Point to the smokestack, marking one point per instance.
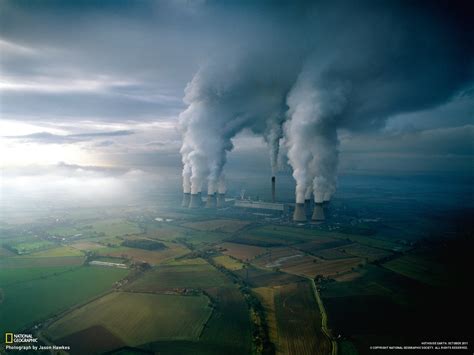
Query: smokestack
point(299, 215)
point(195, 201)
point(211, 201)
point(273, 189)
point(186, 199)
point(318, 213)
point(220, 200)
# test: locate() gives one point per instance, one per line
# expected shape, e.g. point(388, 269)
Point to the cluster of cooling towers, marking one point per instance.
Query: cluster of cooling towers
point(301, 214)
point(195, 200)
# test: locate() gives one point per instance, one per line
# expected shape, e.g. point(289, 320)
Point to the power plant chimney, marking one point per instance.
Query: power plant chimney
point(273, 189)
point(195, 201)
point(318, 213)
point(211, 201)
point(299, 215)
point(186, 199)
point(220, 200)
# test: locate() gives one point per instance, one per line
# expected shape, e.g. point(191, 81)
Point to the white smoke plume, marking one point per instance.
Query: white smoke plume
point(273, 134)
point(223, 100)
point(313, 85)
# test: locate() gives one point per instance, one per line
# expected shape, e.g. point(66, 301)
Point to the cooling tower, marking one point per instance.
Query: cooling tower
point(195, 201)
point(220, 200)
point(299, 215)
point(307, 207)
point(318, 213)
point(273, 190)
point(211, 201)
point(186, 199)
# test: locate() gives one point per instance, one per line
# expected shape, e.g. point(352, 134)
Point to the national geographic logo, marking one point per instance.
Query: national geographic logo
point(11, 338)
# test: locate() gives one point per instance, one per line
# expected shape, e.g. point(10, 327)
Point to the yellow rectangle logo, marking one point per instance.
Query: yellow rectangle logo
point(8, 338)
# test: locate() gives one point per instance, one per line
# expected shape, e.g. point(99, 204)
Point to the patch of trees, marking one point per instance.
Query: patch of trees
point(146, 244)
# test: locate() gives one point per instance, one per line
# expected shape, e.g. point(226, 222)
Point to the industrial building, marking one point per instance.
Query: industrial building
point(260, 205)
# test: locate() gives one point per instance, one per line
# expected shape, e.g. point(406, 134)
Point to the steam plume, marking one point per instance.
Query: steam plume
point(292, 81)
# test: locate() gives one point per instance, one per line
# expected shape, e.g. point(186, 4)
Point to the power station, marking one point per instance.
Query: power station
point(303, 212)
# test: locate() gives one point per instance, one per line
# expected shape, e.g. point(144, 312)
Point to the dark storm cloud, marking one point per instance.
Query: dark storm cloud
point(129, 61)
point(50, 138)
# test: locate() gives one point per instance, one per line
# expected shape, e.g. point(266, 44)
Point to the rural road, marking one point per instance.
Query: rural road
point(324, 318)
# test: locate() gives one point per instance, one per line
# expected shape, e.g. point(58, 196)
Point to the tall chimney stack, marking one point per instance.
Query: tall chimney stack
point(211, 201)
point(273, 189)
point(299, 215)
point(220, 200)
point(186, 199)
point(195, 201)
point(318, 213)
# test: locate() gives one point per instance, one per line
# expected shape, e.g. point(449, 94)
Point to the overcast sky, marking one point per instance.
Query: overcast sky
point(100, 84)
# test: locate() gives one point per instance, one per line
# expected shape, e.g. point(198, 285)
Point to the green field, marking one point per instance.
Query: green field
point(298, 321)
point(28, 246)
point(64, 231)
point(51, 294)
point(257, 277)
point(296, 235)
point(31, 261)
point(419, 268)
point(228, 329)
point(115, 227)
point(13, 276)
point(139, 318)
point(168, 277)
point(59, 251)
point(228, 262)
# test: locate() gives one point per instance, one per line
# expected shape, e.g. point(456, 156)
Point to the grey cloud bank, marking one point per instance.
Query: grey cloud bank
point(318, 81)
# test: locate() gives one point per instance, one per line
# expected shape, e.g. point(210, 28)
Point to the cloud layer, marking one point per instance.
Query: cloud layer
point(102, 83)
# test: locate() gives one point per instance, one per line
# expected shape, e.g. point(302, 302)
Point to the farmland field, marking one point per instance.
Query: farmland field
point(365, 251)
point(86, 245)
point(199, 238)
point(164, 232)
point(5, 252)
point(331, 254)
point(115, 227)
point(298, 321)
point(229, 326)
point(63, 231)
point(226, 332)
point(10, 276)
point(28, 246)
point(275, 257)
point(138, 318)
point(220, 225)
point(418, 268)
point(241, 251)
point(168, 277)
point(328, 268)
point(152, 257)
point(30, 261)
point(228, 262)
point(175, 233)
point(257, 277)
point(18, 311)
point(266, 296)
point(322, 244)
point(59, 251)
